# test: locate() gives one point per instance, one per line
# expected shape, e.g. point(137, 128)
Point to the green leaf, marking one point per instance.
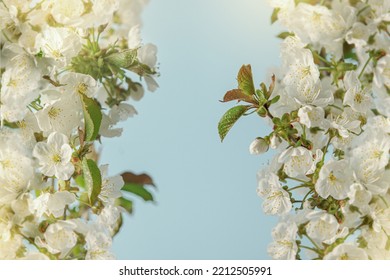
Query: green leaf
point(138, 190)
point(92, 118)
point(262, 112)
point(274, 16)
point(284, 35)
point(275, 99)
point(229, 119)
point(245, 80)
point(261, 97)
point(271, 86)
point(80, 181)
point(125, 203)
point(123, 59)
point(238, 94)
point(92, 179)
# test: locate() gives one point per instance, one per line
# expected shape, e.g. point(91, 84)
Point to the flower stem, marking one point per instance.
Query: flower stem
point(309, 248)
point(298, 187)
point(325, 68)
point(304, 198)
point(364, 67)
point(315, 244)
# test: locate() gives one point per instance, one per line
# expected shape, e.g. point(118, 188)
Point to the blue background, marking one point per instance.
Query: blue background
point(206, 202)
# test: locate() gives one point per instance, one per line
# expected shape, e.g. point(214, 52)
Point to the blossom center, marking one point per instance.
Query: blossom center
point(54, 112)
point(56, 158)
point(358, 98)
point(7, 164)
point(344, 257)
point(332, 178)
point(12, 83)
point(82, 88)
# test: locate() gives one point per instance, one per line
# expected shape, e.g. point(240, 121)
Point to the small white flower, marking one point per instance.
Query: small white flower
point(379, 123)
point(147, 54)
point(138, 92)
point(58, 238)
point(60, 44)
point(322, 227)
point(299, 162)
point(151, 83)
point(63, 115)
point(106, 127)
point(79, 84)
point(67, 11)
point(360, 197)
point(52, 204)
point(109, 218)
point(121, 112)
point(344, 123)
point(347, 251)
point(54, 156)
point(275, 141)
point(111, 186)
point(9, 248)
point(359, 34)
point(335, 179)
point(16, 172)
point(357, 97)
point(318, 25)
point(312, 116)
point(376, 247)
point(104, 9)
point(302, 71)
point(134, 36)
point(284, 245)
point(369, 151)
point(276, 199)
point(98, 244)
point(258, 146)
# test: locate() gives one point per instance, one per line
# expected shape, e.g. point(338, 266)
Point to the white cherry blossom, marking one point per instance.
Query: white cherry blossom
point(111, 186)
point(299, 161)
point(347, 251)
point(284, 245)
point(258, 146)
point(322, 227)
point(357, 97)
point(59, 238)
point(276, 199)
point(334, 180)
point(54, 156)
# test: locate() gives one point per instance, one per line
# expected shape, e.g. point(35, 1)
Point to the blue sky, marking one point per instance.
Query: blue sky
point(206, 203)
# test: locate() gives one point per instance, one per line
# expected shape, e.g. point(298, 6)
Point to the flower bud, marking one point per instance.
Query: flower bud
point(275, 141)
point(258, 146)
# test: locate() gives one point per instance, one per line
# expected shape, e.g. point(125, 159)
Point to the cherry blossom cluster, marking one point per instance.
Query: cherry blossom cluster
point(328, 109)
point(67, 70)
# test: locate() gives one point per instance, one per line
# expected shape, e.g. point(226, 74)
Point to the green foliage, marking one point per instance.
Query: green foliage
point(92, 178)
point(92, 118)
point(125, 204)
point(274, 16)
point(246, 92)
point(135, 184)
point(284, 35)
point(138, 190)
point(245, 80)
point(122, 59)
point(229, 119)
point(110, 66)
